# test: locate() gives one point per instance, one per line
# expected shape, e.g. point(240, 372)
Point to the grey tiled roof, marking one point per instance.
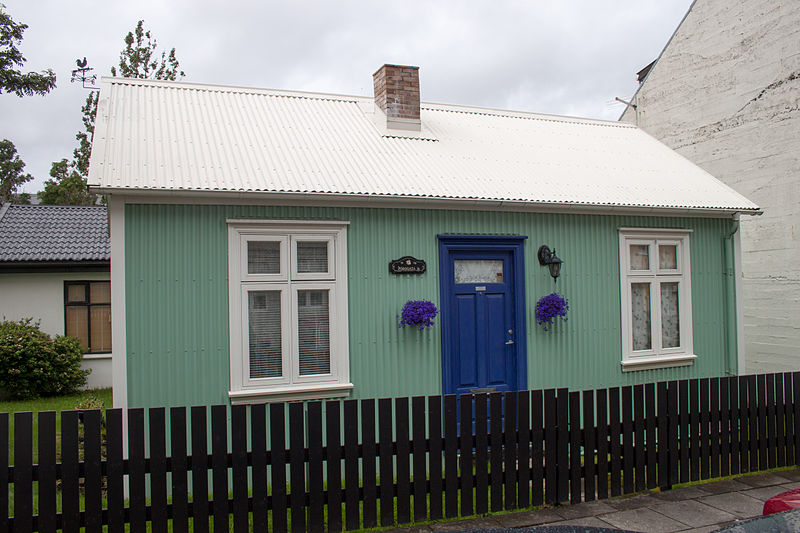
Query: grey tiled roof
point(53, 233)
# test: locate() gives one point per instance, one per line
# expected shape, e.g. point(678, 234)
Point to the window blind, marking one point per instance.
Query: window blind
point(264, 310)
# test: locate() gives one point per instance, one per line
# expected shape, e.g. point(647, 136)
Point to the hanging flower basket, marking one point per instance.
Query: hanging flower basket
point(549, 308)
point(418, 314)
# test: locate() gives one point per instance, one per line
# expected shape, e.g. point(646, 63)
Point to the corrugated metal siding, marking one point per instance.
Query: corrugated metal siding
point(177, 136)
point(176, 284)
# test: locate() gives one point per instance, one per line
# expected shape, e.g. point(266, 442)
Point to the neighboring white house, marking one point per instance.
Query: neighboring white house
point(725, 93)
point(55, 268)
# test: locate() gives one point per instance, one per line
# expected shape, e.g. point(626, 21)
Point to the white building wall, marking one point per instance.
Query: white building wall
point(726, 94)
point(41, 296)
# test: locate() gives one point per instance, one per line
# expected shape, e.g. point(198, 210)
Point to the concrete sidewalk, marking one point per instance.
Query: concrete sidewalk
point(699, 508)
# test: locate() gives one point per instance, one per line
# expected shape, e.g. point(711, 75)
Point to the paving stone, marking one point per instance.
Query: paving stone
point(683, 493)
point(633, 502)
point(762, 480)
point(765, 493)
point(693, 513)
point(791, 475)
point(590, 521)
point(580, 510)
point(410, 529)
point(528, 518)
point(705, 529)
point(643, 520)
point(736, 503)
point(462, 525)
point(726, 485)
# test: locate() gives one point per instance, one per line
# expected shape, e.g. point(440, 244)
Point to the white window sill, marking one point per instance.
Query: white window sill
point(660, 361)
point(291, 393)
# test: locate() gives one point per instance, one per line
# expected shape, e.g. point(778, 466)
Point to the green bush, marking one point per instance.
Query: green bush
point(32, 364)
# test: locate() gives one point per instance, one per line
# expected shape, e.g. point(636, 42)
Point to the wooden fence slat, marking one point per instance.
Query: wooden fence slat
point(158, 470)
point(70, 492)
point(316, 505)
point(93, 502)
point(551, 438)
point(258, 447)
point(136, 468)
point(770, 406)
point(752, 414)
point(368, 466)
point(46, 471)
point(735, 424)
point(5, 525)
point(481, 454)
point(562, 445)
point(788, 417)
point(761, 388)
point(510, 450)
point(602, 443)
point(219, 466)
point(614, 436)
point(297, 468)
point(537, 449)
point(239, 466)
point(650, 434)
point(663, 442)
point(575, 488)
point(627, 440)
point(705, 420)
point(523, 449)
point(496, 450)
point(333, 446)
point(114, 471)
point(277, 443)
point(420, 459)
point(435, 455)
point(180, 482)
point(724, 427)
point(639, 452)
point(780, 422)
point(351, 470)
point(796, 403)
point(683, 429)
point(694, 429)
point(465, 448)
point(673, 393)
point(199, 468)
point(386, 426)
point(23, 472)
point(714, 435)
point(403, 453)
point(450, 457)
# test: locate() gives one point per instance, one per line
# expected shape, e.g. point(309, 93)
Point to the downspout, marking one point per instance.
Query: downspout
point(731, 340)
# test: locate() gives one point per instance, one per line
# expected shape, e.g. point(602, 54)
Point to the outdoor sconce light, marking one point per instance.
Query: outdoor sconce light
point(546, 257)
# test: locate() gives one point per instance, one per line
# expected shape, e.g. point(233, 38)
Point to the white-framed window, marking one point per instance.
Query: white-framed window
point(656, 297)
point(288, 310)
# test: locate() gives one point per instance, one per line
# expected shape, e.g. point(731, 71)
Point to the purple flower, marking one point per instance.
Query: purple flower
point(551, 307)
point(419, 314)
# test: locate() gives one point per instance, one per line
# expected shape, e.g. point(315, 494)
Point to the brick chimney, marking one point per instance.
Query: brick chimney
point(397, 94)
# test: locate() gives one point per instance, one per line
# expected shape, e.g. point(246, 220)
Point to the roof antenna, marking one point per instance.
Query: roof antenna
point(629, 104)
point(82, 74)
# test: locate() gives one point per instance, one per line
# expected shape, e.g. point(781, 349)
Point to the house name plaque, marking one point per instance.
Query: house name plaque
point(407, 265)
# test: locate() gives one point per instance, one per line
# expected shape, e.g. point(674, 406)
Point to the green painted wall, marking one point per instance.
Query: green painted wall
point(177, 298)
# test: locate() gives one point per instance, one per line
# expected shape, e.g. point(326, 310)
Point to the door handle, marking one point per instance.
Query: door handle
point(509, 342)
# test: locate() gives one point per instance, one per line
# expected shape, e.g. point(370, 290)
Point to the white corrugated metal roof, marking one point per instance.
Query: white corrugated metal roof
point(173, 136)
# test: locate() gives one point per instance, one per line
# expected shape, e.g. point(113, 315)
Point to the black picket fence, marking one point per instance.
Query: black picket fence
point(350, 464)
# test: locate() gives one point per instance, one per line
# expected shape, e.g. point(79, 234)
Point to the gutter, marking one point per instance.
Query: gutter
point(732, 348)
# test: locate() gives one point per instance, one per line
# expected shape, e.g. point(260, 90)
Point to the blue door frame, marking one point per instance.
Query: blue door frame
point(509, 302)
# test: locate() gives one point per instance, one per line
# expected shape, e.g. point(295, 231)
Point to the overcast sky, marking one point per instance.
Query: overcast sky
point(566, 57)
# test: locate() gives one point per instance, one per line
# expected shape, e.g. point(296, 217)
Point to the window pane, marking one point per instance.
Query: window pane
point(78, 324)
point(478, 270)
point(264, 321)
point(640, 257)
point(640, 310)
point(100, 292)
point(100, 316)
point(668, 256)
point(312, 256)
point(76, 293)
point(263, 257)
point(670, 316)
point(313, 332)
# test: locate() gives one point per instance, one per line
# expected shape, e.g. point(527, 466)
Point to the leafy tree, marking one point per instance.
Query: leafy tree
point(139, 59)
point(11, 79)
point(12, 174)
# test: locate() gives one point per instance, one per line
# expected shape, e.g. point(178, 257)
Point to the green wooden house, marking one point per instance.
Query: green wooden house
point(256, 236)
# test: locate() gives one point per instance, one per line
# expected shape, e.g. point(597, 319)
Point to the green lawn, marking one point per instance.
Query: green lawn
point(56, 403)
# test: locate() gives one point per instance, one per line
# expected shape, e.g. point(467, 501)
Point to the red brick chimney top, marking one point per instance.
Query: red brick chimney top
point(397, 94)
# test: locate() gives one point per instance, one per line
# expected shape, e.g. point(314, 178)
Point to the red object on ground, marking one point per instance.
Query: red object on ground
point(782, 502)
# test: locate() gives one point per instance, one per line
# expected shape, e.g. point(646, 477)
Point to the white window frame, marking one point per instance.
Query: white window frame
point(657, 356)
point(289, 386)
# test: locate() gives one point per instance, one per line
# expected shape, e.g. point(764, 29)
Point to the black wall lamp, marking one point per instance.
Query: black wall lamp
point(549, 258)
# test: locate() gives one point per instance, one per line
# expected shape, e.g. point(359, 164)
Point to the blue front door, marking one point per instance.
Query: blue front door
point(483, 337)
